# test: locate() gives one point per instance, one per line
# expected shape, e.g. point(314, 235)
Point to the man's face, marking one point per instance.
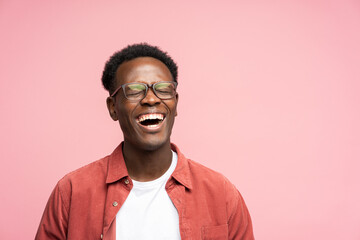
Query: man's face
point(132, 115)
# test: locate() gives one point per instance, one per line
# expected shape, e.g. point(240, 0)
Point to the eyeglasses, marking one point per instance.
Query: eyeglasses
point(137, 91)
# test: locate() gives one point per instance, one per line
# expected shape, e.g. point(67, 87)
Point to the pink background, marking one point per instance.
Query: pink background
point(278, 114)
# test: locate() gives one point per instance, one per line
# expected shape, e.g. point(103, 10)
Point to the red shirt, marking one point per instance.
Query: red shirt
point(85, 202)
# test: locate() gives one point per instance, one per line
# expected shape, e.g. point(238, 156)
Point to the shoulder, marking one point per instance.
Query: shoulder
point(203, 174)
point(212, 183)
point(195, 173)
point(89, 171)
point(89, 176)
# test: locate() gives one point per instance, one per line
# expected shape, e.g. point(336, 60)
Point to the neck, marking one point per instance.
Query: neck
point(146, 165)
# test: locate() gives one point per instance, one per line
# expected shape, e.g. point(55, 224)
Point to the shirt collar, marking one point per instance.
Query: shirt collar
point(182, 170)
point(116, 165)
point(117, 168)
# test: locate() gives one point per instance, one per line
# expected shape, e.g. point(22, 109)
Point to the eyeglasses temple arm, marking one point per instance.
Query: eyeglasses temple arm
point(113, 94)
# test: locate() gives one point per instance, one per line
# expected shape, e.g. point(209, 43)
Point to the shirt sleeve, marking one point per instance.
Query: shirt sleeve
point(54, 222)
point(239, 220)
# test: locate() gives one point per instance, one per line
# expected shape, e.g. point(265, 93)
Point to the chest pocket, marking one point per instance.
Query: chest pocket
point(219, 232)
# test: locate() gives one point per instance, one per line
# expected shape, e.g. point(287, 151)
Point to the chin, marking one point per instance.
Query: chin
point(148, 142)
point(153, 144)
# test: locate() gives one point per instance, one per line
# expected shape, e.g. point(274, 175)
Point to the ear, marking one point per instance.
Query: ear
point(111, 107)
point(177, 99)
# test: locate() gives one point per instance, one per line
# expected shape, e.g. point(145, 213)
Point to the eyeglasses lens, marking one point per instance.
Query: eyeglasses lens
point(137, 91)
point(165, 90)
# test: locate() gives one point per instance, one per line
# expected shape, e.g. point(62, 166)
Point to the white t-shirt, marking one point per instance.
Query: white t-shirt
point(148, 212)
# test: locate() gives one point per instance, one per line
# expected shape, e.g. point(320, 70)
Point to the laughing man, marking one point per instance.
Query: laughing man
point(145, 189)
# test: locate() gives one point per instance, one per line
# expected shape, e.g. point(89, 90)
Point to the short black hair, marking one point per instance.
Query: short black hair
point(134, 51)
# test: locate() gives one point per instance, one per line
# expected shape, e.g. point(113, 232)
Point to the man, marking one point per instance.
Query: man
point(146, 189)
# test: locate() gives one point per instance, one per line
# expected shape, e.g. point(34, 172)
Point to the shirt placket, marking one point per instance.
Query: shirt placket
point(115, 198)
point(176, 193)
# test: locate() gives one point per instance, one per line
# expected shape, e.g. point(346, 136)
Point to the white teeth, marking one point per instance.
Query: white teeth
point(151, 116)
point(151, 126)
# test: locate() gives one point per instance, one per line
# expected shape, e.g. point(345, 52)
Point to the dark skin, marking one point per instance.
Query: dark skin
point(147, 151)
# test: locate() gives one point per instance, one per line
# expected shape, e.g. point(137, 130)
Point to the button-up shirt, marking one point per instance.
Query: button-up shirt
point(85, 202)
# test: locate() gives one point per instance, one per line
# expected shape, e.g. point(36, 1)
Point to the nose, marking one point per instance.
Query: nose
point(150, 98)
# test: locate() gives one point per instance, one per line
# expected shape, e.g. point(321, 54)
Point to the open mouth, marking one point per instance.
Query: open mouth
point(151, 120)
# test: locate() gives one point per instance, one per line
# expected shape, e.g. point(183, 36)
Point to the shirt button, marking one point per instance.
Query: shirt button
point(115, 203)
point(126, 181)
point(101, 236)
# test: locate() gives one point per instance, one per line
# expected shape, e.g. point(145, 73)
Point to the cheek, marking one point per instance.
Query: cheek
point(125, 113)
point(171, 106)
point(175, 110)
